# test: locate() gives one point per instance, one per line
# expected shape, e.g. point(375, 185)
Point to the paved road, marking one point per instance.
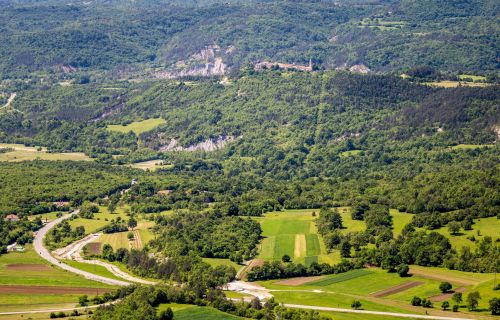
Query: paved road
point(392, 314)
point(45, 254)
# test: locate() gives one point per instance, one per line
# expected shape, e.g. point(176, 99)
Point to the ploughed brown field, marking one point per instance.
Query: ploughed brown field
point(28, 267)
point(396, 289)
point(48, 290)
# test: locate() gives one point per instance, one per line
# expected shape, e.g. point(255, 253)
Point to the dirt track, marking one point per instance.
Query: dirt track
point(396, 289)
point(298, 281)
point(48, 290)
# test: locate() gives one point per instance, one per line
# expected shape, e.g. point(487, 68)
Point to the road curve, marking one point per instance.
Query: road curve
point(45, 254)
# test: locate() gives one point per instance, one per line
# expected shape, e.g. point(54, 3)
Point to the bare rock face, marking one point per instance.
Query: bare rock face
point(207, 62)
point(207, 145)
point(359, 68)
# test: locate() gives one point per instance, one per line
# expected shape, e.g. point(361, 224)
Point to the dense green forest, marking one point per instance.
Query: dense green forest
point(123, 38)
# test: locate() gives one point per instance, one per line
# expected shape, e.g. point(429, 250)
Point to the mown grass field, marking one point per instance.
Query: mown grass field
point(294, 233)
point(137, 127)
point(191, 312)
point(27, 270)
point(23, 153)
point(116, 240)
point(470, 76)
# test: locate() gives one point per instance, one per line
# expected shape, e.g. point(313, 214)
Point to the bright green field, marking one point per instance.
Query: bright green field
point(101, 219)
point(293, 232)
point(469, 76)
point(137, 127)
point(95, 269)
point(399, 220)
point(350, 153)
point(190, 312)
point(150, 165)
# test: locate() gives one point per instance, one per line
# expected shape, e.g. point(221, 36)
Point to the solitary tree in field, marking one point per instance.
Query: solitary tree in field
point(473, 300)
point(356, 304)
point(454, 227)
point(416, 301)
point(445, 305)
point(445, 287)
point(285, 258)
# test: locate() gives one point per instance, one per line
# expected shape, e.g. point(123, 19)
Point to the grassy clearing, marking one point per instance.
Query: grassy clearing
point(472, 77)
point(150, 165)
point(137, 127)
point(471, 146)
point(485, 227)
point(190, 312)
point(350, 153)
point(95, 269)
point(24, 153)
point(116, 240)
point(214, 262)
point(100, 220)
point(399, 220)
point(454, 84)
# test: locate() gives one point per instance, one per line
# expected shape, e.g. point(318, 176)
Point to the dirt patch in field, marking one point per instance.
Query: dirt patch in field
point(48, 290)
point(442, 277)
point(446, 296)
point(298, 281)
point(28, 267)
point(94, 247)
point(396, 289)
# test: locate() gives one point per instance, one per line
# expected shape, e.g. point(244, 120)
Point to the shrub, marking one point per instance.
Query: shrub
point(445, 287)
point(416, 301)
point(356, 304)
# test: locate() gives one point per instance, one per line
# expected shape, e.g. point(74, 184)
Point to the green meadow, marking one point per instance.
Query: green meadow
point(191, 312)
point(294, 233)
point(137, 127)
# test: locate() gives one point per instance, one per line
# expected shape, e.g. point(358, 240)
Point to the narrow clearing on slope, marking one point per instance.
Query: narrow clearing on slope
point(396, 289)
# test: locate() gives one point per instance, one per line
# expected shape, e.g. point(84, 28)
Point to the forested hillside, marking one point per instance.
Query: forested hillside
point(155, 38)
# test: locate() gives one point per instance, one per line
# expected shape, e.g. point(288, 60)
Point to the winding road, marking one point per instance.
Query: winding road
point(45, 254)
